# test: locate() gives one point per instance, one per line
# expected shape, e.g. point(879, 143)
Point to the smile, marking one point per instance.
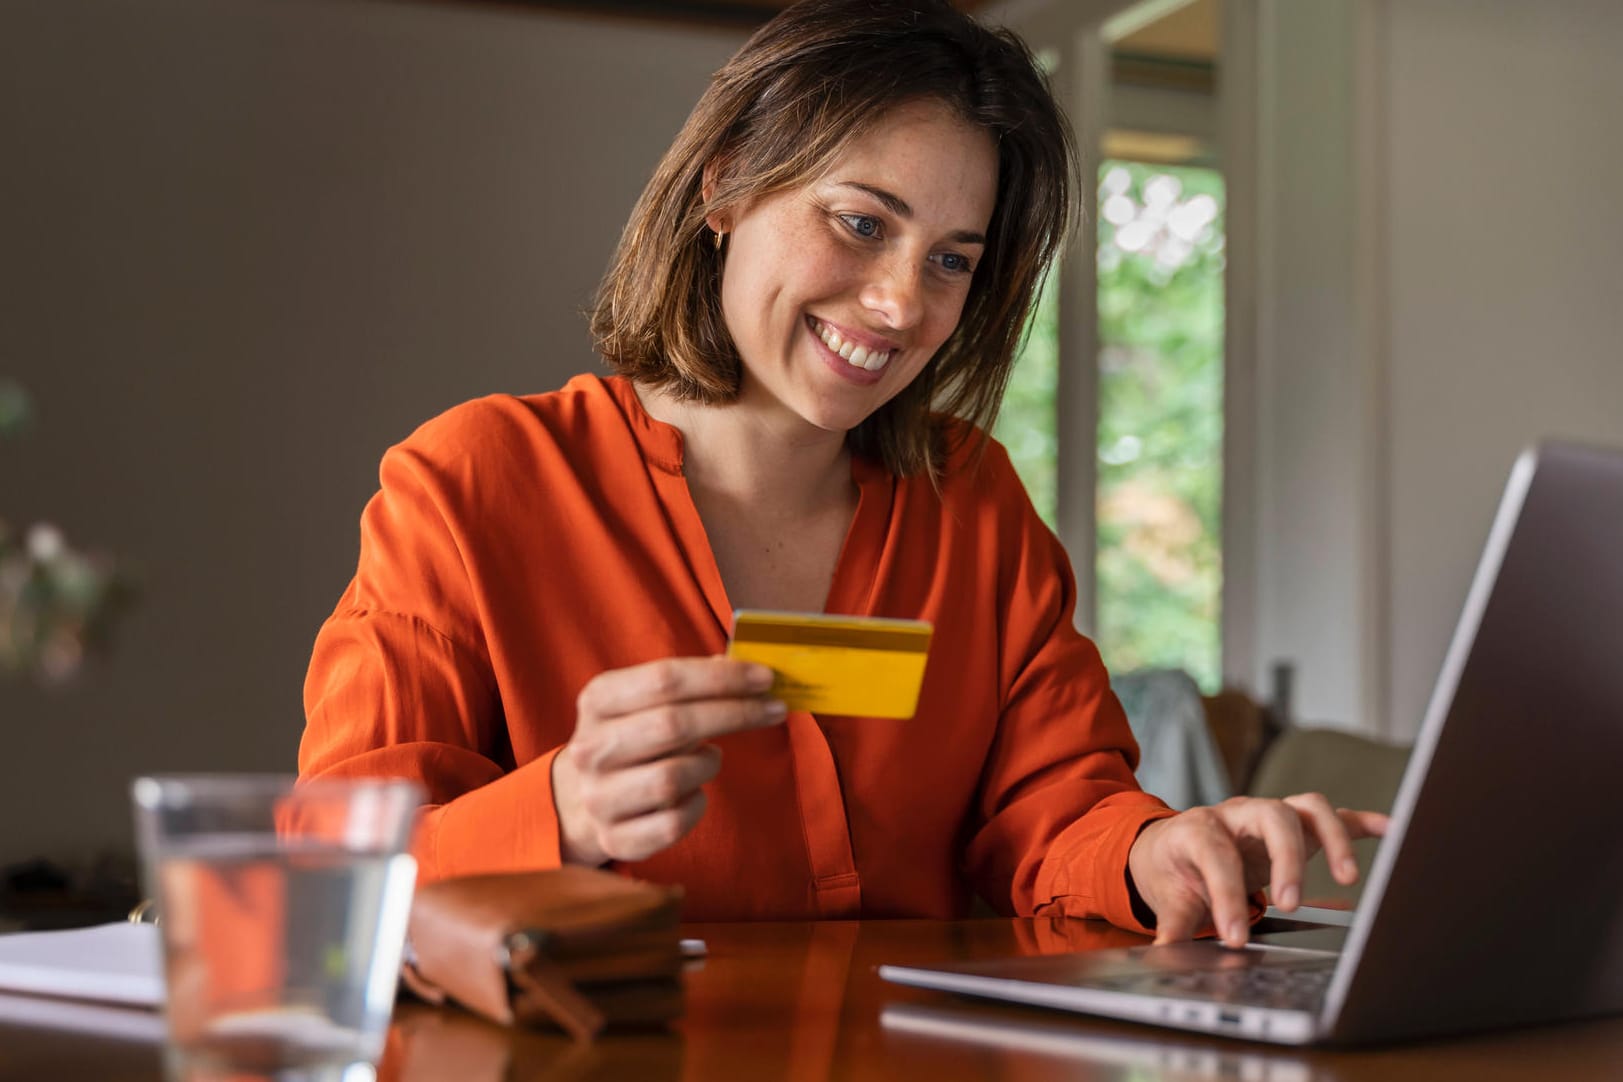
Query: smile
point(857, 356)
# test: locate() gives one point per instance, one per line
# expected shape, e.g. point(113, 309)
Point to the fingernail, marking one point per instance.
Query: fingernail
point(759, 678)
point(1237, 933)
point(1288, 898)
point(1349, 869)
point(774, 710)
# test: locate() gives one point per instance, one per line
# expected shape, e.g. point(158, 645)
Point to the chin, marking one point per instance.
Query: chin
point(838, 412)
point(833, 420)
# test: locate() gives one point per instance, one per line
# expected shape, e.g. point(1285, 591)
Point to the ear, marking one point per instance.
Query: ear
point(718, 223)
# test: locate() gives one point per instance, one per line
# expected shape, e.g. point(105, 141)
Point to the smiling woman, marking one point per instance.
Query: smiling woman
point(811, 315)
point(775, 120)
point(839, 293)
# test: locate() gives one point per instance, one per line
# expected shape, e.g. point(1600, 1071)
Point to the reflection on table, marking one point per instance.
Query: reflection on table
point(801, 1001)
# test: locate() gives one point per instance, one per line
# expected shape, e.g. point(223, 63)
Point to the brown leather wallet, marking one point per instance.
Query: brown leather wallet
point(573, 947)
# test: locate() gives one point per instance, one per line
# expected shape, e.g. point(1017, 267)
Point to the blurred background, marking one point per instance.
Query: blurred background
point(1344, 258)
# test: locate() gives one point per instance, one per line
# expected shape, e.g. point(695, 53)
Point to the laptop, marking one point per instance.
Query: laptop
point(1496, 898)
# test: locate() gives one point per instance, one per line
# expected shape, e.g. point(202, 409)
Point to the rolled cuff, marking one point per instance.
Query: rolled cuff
point(507, 825)
point(1085, 871)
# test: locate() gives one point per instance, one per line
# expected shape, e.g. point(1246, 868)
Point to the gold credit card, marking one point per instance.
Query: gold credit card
point(866, 666)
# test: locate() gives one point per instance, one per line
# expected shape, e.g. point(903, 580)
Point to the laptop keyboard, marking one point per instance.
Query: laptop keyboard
point(1296, 985)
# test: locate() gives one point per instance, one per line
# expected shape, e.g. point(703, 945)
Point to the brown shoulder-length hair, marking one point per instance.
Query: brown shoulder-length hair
point(816, 76)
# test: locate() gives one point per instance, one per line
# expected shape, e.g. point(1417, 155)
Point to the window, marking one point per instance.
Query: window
point(1159, 441)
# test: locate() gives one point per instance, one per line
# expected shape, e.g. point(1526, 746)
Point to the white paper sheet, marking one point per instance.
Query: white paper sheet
point(109, 963)
point(47, 1012)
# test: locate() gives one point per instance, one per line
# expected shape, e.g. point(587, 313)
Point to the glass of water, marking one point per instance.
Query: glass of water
point(283, 908)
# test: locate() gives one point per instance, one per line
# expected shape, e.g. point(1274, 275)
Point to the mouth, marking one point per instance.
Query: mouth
point(866, 356)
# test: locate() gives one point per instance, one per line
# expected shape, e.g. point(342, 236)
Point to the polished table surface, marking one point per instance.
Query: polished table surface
point(801, 1001)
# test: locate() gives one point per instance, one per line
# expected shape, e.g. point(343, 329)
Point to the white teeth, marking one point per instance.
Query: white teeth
point(859, 356)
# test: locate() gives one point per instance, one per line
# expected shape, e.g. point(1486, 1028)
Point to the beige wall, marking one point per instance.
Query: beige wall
point(247, 244)
point(1309, 412)
point(1439, 288)
point(1504, 239)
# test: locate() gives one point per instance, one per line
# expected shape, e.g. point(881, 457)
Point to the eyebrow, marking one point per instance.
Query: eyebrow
point(898, 206)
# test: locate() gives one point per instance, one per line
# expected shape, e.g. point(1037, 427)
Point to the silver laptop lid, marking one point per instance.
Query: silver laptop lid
point(1497, 897)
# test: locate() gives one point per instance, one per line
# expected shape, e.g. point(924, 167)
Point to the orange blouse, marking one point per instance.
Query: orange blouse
point(520, 546)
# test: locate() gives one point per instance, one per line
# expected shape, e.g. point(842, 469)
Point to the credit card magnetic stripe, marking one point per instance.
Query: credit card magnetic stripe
point(909, 637)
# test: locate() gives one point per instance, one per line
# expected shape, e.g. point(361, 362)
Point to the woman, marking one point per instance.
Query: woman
point(849, 228)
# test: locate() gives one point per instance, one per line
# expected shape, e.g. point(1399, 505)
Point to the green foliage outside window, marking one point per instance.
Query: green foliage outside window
point(1160, 418)
point(1160, 436)
point(1027, 425)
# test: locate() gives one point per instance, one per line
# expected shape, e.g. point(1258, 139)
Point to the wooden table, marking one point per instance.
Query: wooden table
point(801, 1001)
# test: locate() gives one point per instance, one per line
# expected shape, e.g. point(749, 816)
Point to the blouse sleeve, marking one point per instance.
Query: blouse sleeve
point(1058, 807)
point(400, 682)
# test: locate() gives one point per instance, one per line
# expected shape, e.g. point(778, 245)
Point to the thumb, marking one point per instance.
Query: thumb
point(1179, 919)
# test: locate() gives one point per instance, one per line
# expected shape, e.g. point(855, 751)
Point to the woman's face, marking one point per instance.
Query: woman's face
point(839, 292)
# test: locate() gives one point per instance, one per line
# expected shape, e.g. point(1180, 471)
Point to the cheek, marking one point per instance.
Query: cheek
point(944, 316)
point(747, 288)
point(822, 268)
point(772, 266)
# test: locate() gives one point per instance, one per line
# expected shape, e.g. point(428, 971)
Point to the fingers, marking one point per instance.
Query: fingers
point(666, 730)
point(1364, 824)
point(1224, 875)
point(634, 813)
point(652, 787)
point(1207, 860)
point(628, 783)
point(1202, 864)
point(1330, 831)
point(638, 714)
point(1281, 832)
point(1324, 828)
point(629, 813)
point(642, 837)
point(671, 680)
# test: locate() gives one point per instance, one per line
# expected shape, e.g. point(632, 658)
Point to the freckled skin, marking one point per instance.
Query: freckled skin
point(803, 252)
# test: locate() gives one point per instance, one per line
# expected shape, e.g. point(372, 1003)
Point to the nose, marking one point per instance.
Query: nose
point(895, 291)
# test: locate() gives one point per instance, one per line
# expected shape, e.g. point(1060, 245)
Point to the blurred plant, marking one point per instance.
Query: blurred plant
point(56, 604)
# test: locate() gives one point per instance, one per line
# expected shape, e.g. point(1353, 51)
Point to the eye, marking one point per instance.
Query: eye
point(956, 263)
point(862, 225)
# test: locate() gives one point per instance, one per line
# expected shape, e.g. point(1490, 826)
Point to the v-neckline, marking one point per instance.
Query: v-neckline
point(853, 585)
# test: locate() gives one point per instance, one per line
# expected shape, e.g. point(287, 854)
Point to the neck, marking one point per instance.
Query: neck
point(760, 458)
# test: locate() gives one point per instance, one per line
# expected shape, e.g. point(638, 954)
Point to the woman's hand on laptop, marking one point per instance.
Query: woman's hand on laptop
point(1200, 866)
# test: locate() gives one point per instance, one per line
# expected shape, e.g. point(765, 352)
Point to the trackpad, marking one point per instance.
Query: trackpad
point(1302, 930)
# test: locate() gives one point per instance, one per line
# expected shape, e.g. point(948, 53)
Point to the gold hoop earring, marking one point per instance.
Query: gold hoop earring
point(718, 240)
